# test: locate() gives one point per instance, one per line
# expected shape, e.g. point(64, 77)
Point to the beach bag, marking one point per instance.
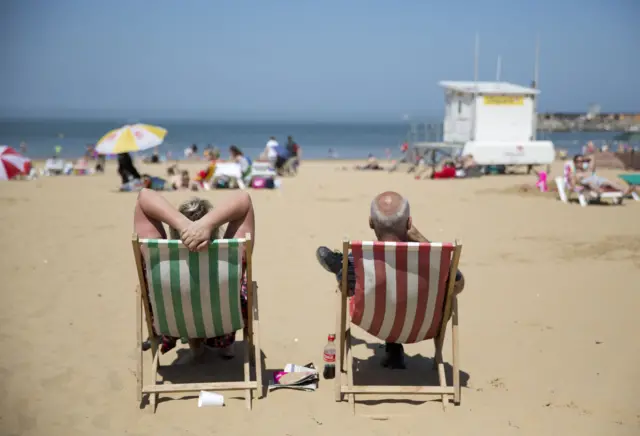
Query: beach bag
point(258, 183)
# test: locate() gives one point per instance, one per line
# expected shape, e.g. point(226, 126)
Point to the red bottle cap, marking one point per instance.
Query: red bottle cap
point(332, 337)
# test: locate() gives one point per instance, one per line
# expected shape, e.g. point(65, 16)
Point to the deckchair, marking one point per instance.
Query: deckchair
point(401, 296)
point(195, 295)
point(585, 195)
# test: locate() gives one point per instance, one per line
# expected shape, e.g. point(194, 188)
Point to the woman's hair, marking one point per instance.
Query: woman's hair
point(577, 157)
point(194, 209)
point(235, 151)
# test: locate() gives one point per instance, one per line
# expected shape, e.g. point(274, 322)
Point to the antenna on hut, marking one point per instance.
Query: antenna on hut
point(534, 85)
point(476, 66)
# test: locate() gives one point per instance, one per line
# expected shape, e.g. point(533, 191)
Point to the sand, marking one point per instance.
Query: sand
point(548, 320)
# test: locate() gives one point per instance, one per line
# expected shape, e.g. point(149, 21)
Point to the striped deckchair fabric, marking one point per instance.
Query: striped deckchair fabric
point(400, 288)
point(194, 294)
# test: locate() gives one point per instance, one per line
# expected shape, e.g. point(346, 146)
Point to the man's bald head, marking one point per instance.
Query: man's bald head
point(390, 215)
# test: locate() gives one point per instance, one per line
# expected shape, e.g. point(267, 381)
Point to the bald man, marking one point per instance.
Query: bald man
point(390, 220)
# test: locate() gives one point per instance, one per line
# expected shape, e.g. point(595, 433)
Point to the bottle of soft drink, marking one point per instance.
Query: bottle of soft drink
point(330, 358)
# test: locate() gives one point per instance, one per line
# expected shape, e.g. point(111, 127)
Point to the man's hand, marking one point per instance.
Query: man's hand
point(197, 235)
point(415, 235)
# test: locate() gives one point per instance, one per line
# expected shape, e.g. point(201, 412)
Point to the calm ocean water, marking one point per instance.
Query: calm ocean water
point(348, 140)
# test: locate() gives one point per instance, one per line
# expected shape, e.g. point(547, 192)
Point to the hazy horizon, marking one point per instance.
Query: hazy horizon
point(369, 60)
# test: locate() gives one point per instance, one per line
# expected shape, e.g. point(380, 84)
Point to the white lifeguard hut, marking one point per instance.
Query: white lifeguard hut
point(495, 122)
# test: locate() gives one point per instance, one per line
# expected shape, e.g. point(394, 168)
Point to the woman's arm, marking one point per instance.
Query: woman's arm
point(237, 210)
point(151, 210)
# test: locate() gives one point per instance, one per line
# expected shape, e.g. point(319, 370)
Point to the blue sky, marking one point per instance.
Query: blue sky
point(303, 59)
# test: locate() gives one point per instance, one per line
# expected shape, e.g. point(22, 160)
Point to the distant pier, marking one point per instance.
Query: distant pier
point(580, 122)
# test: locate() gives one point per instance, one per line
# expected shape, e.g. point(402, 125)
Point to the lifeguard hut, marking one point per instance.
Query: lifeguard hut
point(493, 121)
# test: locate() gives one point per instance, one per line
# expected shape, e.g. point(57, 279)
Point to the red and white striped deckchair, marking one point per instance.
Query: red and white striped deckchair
point(401, 296)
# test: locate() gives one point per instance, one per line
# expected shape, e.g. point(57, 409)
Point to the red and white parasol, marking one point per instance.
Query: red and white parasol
point(12, 163)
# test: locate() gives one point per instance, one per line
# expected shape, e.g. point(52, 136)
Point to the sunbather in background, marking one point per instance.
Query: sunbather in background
point(196, 222)
point(390, 220)
point(372, 164)
point(585, 175)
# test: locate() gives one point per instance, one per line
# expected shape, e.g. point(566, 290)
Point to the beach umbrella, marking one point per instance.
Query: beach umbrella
point(12, 163)
point(129, 138)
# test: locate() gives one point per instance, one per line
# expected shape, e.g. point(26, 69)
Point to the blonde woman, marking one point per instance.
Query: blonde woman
point(196, 222)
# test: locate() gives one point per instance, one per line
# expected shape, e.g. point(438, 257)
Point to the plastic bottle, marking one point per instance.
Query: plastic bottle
point(329, 357)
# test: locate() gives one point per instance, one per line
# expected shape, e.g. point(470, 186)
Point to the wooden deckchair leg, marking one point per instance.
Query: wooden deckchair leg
point(248, 328)
point(349, 368)
point(257, 351)
point(340, 347)
point(153, 396)
point(341, 321)
point(247, 365)
point(139, 373)
point(439, 364)
point(455, 353)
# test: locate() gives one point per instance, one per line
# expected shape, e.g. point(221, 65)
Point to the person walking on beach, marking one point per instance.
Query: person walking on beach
point(390, 219)
point(126, 169)
point(270, 150)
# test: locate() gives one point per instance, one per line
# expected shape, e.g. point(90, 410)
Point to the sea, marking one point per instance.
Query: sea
point(319, 140)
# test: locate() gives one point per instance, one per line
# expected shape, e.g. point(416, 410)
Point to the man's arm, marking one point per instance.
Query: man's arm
point(151, 210)
point(415, 235)
point(237, 210)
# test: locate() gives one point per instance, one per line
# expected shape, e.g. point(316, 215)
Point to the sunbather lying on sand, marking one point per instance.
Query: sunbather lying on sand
point(372, 164)
point(390, 220)
point(196, 222)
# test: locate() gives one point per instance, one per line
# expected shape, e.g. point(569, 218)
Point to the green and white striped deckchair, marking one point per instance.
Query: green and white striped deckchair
point(196, 295)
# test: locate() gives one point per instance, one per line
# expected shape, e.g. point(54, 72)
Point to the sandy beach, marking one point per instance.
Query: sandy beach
point(547, 320)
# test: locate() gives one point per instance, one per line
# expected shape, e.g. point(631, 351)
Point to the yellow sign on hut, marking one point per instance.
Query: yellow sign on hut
point(504, 100)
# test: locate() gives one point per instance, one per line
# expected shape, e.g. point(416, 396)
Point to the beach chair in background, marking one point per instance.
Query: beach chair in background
point(585, 195)
point(261, 169)
point(403, 294)
point(195, 295)
point(632, 180)
point(54, 167)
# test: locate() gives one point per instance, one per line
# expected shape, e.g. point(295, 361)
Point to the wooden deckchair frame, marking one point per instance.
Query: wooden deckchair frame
point(343, 326)
point(251, 338)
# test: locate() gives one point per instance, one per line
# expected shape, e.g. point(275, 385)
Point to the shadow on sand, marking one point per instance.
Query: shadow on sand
point(210, 367)
point(420, 371)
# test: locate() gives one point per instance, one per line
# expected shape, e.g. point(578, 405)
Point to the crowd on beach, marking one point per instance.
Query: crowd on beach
point(276, 160)
point(238, 170)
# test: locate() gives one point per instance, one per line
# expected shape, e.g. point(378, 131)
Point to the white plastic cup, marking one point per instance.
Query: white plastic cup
point(210, 399)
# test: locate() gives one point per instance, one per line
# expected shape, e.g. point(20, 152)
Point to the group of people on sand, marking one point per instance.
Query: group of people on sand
point(179, 179)
point(285, 159)
point(456, 168)
point(196, 222)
